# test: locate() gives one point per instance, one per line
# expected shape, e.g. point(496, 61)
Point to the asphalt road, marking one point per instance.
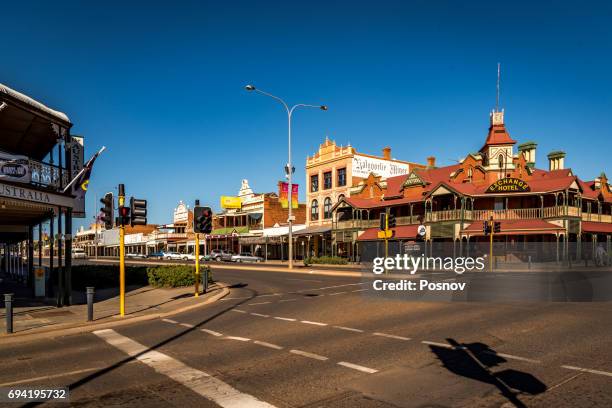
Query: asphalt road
point(288, 340)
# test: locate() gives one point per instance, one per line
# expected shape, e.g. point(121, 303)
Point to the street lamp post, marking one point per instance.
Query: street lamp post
point(289, 168)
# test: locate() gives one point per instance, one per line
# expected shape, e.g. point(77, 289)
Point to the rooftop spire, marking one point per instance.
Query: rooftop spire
point(498, 81)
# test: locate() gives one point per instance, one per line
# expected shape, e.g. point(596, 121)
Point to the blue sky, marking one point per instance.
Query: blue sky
point(161, 84)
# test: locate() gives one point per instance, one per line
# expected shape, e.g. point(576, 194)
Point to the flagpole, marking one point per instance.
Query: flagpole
point(83, 170)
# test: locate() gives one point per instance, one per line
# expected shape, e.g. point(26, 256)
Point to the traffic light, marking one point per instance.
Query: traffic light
point(486, 227)
point(391, 223)
point(138, 211)
point(107, 211)
point(202, 220)
point(497, 227)
point(383, 222)
point(124, 216)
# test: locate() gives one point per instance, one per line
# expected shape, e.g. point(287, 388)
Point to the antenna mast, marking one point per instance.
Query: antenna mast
point(498, 80)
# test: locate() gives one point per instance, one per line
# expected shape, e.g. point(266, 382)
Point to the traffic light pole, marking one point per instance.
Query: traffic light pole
point(492, 227)
point(197, 264)
point(121, 202)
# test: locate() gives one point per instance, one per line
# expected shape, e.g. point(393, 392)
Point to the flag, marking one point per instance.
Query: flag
point(80, 182)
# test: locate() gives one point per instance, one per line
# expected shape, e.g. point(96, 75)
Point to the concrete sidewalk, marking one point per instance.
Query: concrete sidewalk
point(142, 303)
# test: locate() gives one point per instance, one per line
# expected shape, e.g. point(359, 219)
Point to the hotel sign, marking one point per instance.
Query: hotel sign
point(509, 185)
point(14, 168)
point(363, 166)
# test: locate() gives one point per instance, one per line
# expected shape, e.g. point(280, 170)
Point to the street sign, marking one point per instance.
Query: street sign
point(421, 230)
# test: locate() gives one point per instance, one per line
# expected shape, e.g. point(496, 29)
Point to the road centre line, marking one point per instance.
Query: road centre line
point(391, 336)
point(348, 329)
point(191, 326)
point(433, 343)
point(169, 321)
point(360, 290)
point(236, 338)
point(513, 357)
point(336, 293)
point(313, 323)
point(309, 355)
point(588, 370)
point(260, 315)
point(287, 300)
point(357, 367)
point(287, 319)
point(237, 311)
point(198, 381)
point(336, 286)
point(260, 303)
point(269, 345)
point(214, 333)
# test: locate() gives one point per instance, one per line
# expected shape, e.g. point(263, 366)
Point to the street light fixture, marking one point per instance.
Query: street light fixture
point(289, 110)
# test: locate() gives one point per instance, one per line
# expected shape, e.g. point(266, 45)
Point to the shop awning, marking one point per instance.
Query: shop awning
point(516, 227)
point(313, 231)
point(596, 227)
point(399, 233)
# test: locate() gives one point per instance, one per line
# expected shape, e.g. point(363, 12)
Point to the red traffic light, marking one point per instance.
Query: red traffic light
point(124, 211)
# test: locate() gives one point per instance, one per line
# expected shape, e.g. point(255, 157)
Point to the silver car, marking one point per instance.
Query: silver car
point(246, 257)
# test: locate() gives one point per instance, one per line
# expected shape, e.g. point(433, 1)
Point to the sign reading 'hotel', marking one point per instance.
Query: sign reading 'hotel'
point(509, 185)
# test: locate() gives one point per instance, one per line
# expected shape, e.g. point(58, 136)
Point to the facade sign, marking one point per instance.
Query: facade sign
point(41, 197)
point(363, 166)
point(231, 202)
point(509, 185)
point(284, 194)
point(77, 155)
point(14, 168)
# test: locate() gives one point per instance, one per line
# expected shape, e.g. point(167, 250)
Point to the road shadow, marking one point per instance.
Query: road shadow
point(475, 360)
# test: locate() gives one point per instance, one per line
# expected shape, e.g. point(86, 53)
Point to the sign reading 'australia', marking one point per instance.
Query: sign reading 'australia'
point(363, 166)
point(509, 185)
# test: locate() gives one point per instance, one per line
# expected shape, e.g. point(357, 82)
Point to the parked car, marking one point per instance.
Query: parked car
point(135, 255)
point(157, 255)
point(246, 257)
point(191, 257)
point(78, 253)
point(220, 255)
point(173, 255)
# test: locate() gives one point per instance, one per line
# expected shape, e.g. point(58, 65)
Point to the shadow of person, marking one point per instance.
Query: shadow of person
point(475, 360)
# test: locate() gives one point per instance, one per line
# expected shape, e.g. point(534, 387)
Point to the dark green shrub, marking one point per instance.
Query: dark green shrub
point(329, 260)
point(174, 276)
point(105, 276)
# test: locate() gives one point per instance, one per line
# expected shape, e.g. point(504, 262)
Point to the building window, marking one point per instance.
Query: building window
point(327, 180)
point(314, 183)
point(314, 210)
point(327, 208)
point(340, 197)
point(501, 161)
point(342, 177)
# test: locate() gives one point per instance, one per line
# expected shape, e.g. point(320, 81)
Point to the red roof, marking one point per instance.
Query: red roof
point(400, 232)
point(600, 227)
point(516, 227)
point(498, 136)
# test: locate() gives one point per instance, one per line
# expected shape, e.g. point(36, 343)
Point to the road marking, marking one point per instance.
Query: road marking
point(336, 286)
point(513, 357)
point(360, 290)
point(169, 321)
point(270, 294)
point(260, 315)
point(237, 311)
point(191, 326)
point(309, 355)
point(214, 333)
point(236, 338)
point(49, 377)
point(337, 293)
point(433, 343)
point(588, 370)
point(236, 298)
point(269, 345)
point(358, 367)
point(315, 323)
point(287, 319)
point(391, 336)
point(260, 303)
point(349, 329)
point(305, 280)
point(200, 382)
point(287, 300)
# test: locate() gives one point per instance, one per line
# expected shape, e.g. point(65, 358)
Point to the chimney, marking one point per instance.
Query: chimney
point(431, 162)
point(556, 160)
point(387, 153)
point(529, 150)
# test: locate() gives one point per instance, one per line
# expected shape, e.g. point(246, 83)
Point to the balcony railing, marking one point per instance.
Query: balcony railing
point(597, 217)
point(47, 175)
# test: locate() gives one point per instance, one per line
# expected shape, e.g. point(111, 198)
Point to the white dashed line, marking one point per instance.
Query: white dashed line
point(287, 319)
point(198, 381)
point(260, 315)
point(269, 345)
point(169, 321)
point(214, 333)
point(314, 323)
point(349, 329)
point(238, 311)
point(236, 338)
point(360, 290)
point(336, 286)
point(433, 343)
point(358, 367)
point(287, 300)
point(191, 326)
point(270, 294)
point(309, 355)
point(588, 370)
point(260, 303)
point(337, 293)
point(391, 336)
point(512, 357)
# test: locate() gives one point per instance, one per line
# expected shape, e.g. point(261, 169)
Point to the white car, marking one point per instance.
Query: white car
point(78, 253)
point(191, 257)
point(246, 257)
point(173, 255)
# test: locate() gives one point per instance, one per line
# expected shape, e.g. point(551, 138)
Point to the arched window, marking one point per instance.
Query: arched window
point(501, 161)
point(327, 208)
point(314, 210)
point(340, 197)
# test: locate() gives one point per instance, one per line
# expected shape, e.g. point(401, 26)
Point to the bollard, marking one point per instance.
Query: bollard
point(8, 308)
point(90, 302)
point(205, 283)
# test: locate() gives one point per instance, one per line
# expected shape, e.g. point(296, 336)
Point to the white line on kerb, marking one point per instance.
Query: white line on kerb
point(314, 323)
point(200, 382)
point(260, 303)
point(349, 329)
point(214, 333)
point(391, 336)
point(287, 319)
point(237, 311)
point(260, 315)
point(169, 321)
point(191, 326)
point(269, 345)
point(358, 367)
point(588, 370)
point(236, 338)
point(309, 355)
